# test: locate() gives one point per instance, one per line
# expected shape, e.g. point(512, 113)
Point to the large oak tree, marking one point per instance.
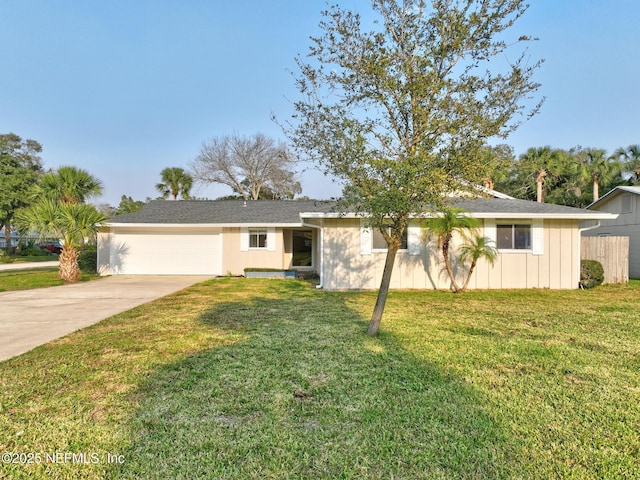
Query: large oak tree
point(20, 167)
point(255, 167)
point(400, 104)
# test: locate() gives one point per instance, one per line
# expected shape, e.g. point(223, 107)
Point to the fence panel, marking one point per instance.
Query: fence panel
point(612, 253)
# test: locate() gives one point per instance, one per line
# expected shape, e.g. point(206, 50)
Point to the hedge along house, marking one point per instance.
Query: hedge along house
point(538, 244)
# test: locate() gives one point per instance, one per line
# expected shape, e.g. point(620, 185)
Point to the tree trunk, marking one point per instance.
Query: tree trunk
point(445, 255)
point(466, 282)
point(7, 237)
point(69, 270)
point(596, 189)
point(539, 198)
point(488, 183)
point(381, 301)
point(539, 180)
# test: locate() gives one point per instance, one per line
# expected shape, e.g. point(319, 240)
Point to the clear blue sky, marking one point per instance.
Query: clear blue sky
point(126, 88)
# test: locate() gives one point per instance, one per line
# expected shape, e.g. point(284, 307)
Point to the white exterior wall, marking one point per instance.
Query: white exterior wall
point(348, 266)
point(159, 251)
point(191, 250)
point(237, 255)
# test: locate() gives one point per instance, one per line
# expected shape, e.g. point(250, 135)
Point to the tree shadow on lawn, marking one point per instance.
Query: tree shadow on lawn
point(308, 395)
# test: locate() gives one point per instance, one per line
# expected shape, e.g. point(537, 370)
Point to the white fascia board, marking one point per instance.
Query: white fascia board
point(203, 225)
point(328, 215)
point(552, 216)
point(566, 216)
point(162, 225)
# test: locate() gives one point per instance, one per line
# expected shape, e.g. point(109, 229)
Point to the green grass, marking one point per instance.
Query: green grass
point(241, 379)
point(38, 277)
point(30, 259)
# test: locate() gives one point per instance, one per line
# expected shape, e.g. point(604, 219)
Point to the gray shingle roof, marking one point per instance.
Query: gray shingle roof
point(278, 212)
point(516, 206)
point(224, 211)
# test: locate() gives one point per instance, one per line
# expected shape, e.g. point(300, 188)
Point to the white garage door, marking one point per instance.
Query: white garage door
point(166, 253)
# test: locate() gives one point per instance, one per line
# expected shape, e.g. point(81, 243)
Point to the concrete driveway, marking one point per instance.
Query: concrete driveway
point(29, 318)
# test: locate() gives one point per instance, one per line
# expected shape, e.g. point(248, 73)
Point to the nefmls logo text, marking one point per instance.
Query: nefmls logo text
point(72, 457)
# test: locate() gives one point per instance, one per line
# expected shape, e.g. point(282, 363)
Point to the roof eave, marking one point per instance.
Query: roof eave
point(550, 216)
point(203, 225)
point(500, 215)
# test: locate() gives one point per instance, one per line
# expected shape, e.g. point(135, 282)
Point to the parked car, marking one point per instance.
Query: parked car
point(52, 246)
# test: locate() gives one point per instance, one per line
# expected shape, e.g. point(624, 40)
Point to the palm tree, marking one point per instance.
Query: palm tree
point(72, 222)
point(70, 185)
point(598, 169)
point(630, 157)
point(175, 181)
point(499, 160)
point(476, 248)
point(545, 162)
point(443, 227)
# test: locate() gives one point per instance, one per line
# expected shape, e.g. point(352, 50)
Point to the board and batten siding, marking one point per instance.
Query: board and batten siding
point(347, 265)
point(237, 255)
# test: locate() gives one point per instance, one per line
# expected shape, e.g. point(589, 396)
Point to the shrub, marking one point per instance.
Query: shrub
point(591, 273)
point(34, 252)
point(88, 261)
point(260, 269)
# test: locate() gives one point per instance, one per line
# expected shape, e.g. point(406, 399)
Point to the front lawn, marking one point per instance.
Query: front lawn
point(241, 379)
point(38, 277)
point(29, 259)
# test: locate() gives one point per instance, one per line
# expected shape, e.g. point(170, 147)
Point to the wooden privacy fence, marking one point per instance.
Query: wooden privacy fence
point(612, 253)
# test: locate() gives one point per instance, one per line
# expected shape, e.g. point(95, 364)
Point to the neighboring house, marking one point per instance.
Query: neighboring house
point(538, 244)
point(15, 239)
point(625, 202)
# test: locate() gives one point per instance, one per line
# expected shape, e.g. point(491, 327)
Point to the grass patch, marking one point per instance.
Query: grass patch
point(29, 259)
point(273, 379)
point(37, 277)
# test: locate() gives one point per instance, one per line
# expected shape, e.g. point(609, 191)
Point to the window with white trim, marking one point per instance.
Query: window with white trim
point(513, 236)
point(257, 239)
point(379, 243)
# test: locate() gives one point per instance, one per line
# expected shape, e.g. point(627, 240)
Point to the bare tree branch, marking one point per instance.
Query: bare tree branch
point(253, 166)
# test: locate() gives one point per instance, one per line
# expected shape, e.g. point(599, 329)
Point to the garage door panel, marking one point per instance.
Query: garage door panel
point(166, 253)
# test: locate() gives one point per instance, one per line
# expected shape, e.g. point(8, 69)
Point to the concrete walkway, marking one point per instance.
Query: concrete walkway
point(29, 318)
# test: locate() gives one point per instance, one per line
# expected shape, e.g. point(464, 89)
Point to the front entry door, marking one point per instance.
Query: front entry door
point(302, 248)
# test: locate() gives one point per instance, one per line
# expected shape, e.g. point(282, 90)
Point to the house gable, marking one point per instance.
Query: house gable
point(623, 201)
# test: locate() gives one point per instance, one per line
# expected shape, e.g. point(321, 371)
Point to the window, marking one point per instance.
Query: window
point(513, 237)
point(379, 243)
point(257, 239)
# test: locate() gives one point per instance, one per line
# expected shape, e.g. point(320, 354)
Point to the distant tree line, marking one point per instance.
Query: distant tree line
point(574, 177)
